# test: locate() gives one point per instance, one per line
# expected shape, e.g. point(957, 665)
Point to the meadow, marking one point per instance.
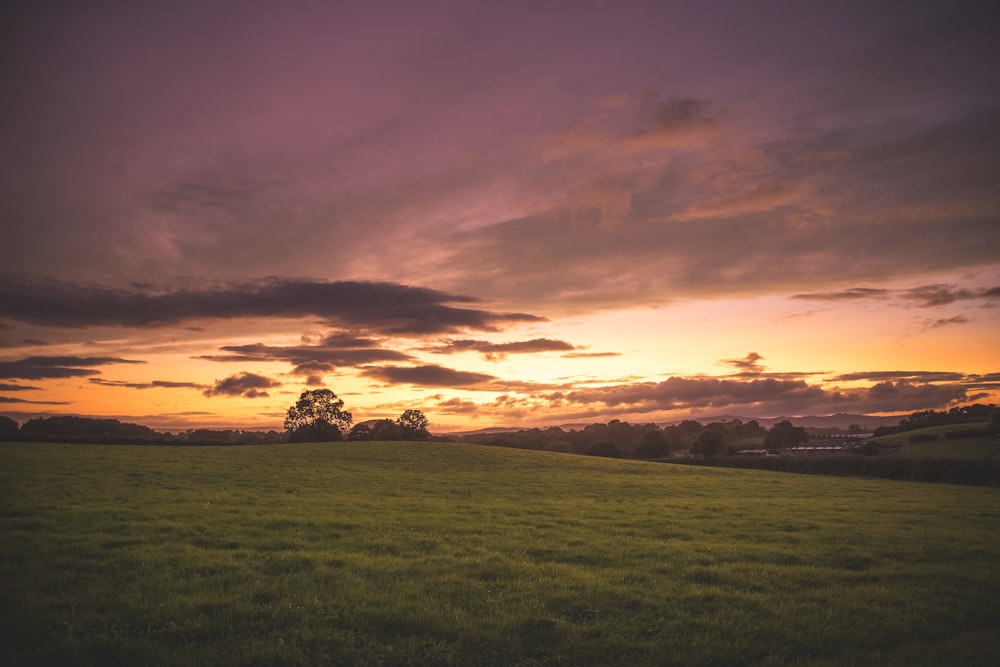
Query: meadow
point(442, 554)
point(941, 442)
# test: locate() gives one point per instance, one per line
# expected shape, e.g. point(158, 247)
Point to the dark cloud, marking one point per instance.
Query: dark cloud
point(8, 399)
point(674, 116)
point(765, 396)
point(880, 376)
point(749, 364)
point(495, 351)
point(924, 296)
point(905, 395)
point(247, 385)
point(17, 387)
point(928, 296)
point(383, 306)
point(774, 219)
point(38, 368)
point(321, 354)
point(678, 392)
point(590, 355)
point(314, 371)
point(314, 367)
point(427, 376)
point(946, 321)
point(853, 294)
point(27, 342)
point(155, 384)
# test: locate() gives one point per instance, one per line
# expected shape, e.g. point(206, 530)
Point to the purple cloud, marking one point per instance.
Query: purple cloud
point(247, 385)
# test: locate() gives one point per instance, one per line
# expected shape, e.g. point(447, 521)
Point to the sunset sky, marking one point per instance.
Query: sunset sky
point(500, 213)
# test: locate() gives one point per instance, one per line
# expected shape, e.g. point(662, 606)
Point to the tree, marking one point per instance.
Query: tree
point(413, 425)
point(783, 435)
point(995, 422)
point(360, 432)
point(318, 416)
point(605, 448)
point(386, 429)
point(710, 444)
point(8, 425)
point(652, 445)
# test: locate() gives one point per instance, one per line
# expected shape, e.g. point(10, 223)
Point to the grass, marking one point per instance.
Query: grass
point(405, 553)
point(937, 444)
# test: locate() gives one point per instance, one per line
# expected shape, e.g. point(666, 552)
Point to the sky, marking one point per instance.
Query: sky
point(499, 213)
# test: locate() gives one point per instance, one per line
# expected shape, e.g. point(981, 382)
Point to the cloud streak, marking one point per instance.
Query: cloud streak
point(429, 375)
point(38, 368)
point(388, 307)
point(498, 351)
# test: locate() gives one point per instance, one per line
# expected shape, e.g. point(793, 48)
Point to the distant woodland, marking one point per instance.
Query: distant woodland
point(617, 439)
point(731, 443)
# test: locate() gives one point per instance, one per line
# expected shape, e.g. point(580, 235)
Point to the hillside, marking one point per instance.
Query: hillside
point(948, 441)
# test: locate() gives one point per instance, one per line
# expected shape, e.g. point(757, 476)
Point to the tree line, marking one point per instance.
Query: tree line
point(619, 439)
point(317, 416)
point(87, 430)
point(960, 415)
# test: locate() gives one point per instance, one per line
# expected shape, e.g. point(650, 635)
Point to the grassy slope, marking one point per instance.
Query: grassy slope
point(976, 447)
point(397, 553)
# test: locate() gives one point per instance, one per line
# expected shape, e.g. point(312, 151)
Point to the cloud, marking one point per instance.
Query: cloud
point(590, 355)
point(314, 371)
point(928, 296)
point(879, 376)
point(945, 321)
point(383, 306)
point(427, 376)
point(496, 351)
point(852, 294)
point(327, 355)
point(678, 392)
point(797, 212)
point(155, 384)
point(8, 399)
point(247, 385)
point(748, 364)
point(16, 387)
point(924, 296)
point(39, 368)
point(765, 396)
point(904, 395)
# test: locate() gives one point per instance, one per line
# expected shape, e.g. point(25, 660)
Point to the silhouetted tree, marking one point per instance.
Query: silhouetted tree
point(360, 432)
point(86, 429)
point(7, 425)
point(413, 425)
point(784, 434)
point(652, 445)
point(318, 416)
point(710, 443)
point(688, 427)
point(605, 448)
point(386, 429)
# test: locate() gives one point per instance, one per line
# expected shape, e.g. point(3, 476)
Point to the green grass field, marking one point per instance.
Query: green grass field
point(985, 446)
point(429, 553)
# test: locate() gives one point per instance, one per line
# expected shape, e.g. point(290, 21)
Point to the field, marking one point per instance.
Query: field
point(937, 444)
point(430, 553)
